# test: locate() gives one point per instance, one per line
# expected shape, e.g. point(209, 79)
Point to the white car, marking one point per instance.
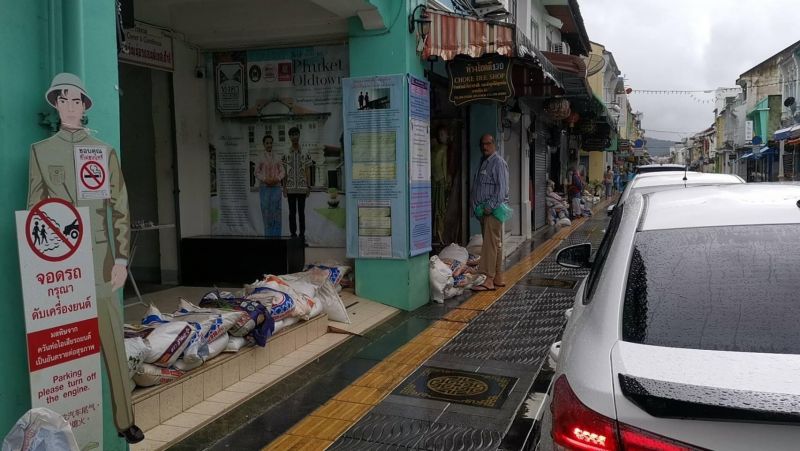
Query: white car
point(648, 168)
point(686, 333)
point(659, 181)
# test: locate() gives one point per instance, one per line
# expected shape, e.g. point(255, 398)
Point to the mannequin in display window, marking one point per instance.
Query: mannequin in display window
point(52, 175)
point(440, 182)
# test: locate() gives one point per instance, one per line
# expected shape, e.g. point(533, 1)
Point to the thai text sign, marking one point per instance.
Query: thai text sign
point(57, 272)
point(148, 46)
point(486, 78)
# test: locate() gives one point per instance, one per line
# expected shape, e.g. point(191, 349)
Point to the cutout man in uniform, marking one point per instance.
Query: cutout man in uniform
point(52, 175)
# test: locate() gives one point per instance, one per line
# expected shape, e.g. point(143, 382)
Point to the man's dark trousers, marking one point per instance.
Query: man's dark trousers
point(297, 202)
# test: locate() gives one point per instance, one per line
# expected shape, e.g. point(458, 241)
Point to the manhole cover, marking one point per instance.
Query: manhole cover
point(473, 389)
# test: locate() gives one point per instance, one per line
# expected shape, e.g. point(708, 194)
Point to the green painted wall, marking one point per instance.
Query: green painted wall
point(399, 283)
point(42, 38)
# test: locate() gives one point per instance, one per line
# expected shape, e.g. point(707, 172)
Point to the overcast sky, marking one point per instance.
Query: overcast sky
point(685, 44)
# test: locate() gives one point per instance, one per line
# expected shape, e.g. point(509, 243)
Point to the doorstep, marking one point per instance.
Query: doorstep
point(171, 412)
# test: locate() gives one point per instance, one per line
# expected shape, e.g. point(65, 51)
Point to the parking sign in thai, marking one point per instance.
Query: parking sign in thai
point(57, 274)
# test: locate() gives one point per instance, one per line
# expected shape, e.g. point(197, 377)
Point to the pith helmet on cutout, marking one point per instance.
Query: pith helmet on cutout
point(66, 80)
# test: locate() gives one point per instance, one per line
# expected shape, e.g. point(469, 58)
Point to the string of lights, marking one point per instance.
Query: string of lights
point(707, 91)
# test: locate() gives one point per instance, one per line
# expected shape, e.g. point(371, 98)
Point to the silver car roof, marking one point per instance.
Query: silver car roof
point(721, 205)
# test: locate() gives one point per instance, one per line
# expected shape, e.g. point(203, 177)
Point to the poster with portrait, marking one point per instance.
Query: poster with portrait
point(286, 132)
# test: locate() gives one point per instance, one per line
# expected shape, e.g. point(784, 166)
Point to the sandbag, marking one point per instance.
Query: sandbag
point(217, 346)
point(235, 344)
point(284, 323)
point(260, 314)
point(441, 277)
point(167, 340)
point(136, 349)
point(149, 375)
point(324, 292)
point(242, 322)
point(283, 300)
point(454, 252)
point(335, 272)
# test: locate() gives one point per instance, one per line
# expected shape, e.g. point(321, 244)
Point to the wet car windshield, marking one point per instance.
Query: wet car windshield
point(715, 288)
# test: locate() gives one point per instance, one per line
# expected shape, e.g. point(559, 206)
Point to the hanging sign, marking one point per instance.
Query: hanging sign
point(486, 78)
point(91, 167)
point(63, 338)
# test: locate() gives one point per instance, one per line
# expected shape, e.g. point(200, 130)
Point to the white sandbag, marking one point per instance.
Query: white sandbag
point(242, 325)
point(279, 297)
point(150, 375)
point(188, 364)
point(216, 347)
point(40, 429)
point(332, 303)
point(454, 252)
point(136, 349)
point(167, 340)
point(441, 277)
point(235, 344)
point(475, 244)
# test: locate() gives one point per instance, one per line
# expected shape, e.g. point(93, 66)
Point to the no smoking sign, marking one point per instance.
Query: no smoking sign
point(91, 166)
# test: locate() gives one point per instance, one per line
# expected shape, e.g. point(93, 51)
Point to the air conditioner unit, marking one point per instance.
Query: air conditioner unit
point(561, 47)
point(492, 8)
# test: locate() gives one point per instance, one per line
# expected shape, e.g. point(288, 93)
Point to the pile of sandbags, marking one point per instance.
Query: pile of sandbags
point(453, 271)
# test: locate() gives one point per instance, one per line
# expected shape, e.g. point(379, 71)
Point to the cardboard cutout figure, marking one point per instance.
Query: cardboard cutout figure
point(74, 166)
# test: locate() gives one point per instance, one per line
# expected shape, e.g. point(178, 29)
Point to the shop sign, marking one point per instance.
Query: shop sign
point(63, 341)
point(748, 131)
point(148, 46)
point(486, 78)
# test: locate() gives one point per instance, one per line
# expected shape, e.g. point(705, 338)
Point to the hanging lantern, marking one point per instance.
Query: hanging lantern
point(557, 108)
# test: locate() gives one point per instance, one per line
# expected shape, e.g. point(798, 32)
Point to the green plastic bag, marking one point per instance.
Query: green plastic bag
point(503, 213)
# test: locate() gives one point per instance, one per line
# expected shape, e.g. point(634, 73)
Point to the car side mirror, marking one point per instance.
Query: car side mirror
point(576, 256)
point(610, 210)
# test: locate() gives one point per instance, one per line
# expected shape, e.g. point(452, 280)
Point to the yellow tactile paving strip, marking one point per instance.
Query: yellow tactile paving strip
point(323, 426)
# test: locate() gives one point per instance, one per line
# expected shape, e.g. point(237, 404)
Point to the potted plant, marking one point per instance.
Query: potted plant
point(333, 197)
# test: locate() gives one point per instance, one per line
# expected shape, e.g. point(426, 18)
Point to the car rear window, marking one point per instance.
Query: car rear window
point(716, 288)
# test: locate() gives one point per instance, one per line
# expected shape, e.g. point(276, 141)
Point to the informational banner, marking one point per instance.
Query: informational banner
point(748, 132)
point(148, 46)
point(419, 138)
point(57, 271)
point(261, 98)
point(377, 166)
point(485, 78)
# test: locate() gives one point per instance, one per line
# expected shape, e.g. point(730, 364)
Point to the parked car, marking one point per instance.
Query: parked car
point(659, 181)
point(685, 333)
point(645, 168)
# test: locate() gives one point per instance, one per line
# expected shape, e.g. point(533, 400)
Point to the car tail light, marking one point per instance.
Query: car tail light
point(577, 427)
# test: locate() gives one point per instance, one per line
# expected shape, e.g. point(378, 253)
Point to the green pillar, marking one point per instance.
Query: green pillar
point(399, 283)
point(43, 38)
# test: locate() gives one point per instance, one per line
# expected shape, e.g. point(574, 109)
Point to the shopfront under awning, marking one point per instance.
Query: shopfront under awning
point(451, 35)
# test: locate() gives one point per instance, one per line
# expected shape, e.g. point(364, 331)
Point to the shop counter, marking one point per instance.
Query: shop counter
point(235, 260)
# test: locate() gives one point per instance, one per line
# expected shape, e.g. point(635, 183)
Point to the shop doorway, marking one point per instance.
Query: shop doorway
point(147, 149)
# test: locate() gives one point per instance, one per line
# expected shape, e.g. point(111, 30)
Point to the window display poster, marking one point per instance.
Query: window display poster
point(289, 100)
point(377, 166)
point(419, 136)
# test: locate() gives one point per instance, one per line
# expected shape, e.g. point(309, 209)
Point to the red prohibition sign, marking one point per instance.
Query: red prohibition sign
point(37, 211)
point(92, 175)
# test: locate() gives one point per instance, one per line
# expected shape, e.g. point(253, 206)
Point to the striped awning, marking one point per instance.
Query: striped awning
point(452, 35)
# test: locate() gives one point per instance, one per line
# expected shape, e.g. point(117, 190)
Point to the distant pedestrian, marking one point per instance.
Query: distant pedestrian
point(608, 178)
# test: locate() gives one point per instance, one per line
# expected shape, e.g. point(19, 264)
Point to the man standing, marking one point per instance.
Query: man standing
point(52, 175)
point(297, 184)
point(489, 193)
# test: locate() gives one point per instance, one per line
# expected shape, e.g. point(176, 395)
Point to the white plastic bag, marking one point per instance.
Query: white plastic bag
point(475, 244)
point(441, 278)
point(455, 252)
point(40, 429)
point(150, 375)
point(136, 349)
